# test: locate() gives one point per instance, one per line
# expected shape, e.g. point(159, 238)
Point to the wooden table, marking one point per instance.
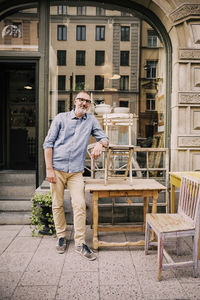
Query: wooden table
point(175, 180)
point(121, 188)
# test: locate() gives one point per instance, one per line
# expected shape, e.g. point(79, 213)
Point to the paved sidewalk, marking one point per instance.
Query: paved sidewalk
point(30, 269)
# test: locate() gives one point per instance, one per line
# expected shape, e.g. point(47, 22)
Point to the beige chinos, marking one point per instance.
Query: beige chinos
point(75, 184)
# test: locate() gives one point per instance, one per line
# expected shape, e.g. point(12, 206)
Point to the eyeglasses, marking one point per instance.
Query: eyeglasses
point(82, 100)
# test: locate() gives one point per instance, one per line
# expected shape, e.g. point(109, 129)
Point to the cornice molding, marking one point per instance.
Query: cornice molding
point(189, 53)
point(184, 11)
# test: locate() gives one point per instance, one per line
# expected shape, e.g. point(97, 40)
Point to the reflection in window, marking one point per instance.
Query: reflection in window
point(100, 33)
point(150, 102)
point(61, 106)
point(62, 9)
point(81, 11)
point(125, 33)
point(17, 30)
point(80, 82)
point(151, 39)
point(80, 33)
point(61, 33)
point(124, 83)
point(80, 58)
point(61, 82)
point(100, 11)
point(61, 57)
point(124, 58)
point(99, 58)
point(151, 69)
point(99, 82)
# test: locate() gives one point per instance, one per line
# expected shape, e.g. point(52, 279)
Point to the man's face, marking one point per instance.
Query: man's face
point(82, 103)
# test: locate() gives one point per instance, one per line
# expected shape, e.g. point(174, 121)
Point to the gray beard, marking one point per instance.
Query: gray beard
point(80, 110)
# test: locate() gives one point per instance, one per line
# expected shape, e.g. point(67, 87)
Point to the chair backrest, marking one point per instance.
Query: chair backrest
point(189, 198)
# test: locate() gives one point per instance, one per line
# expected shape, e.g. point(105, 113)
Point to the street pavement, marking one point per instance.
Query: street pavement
point(30, 269)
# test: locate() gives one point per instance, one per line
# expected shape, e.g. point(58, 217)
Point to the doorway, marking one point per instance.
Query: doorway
point(18, 115)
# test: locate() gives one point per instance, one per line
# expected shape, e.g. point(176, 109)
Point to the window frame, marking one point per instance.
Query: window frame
point(62, 33)
point(126, 37)
point(98, 78)
point(96, 58)
point(81, 59)
point(124, 61)
point(81, 10)
point(59, 59)
point(59, 82)
point(150, 98)
point(101, 33)
point(151, 69)
point(82, 32)
point(100, 11)
point(124, 81)
point(151, 38)
point(76, 82)
point(61, 10)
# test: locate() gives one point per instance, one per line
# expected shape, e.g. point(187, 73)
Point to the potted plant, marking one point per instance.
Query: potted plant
point(41, 215)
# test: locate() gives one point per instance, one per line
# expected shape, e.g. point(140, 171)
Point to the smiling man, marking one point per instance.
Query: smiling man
point(65, 149)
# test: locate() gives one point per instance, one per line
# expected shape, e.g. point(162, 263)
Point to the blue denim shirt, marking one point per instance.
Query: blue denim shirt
point(69, 138)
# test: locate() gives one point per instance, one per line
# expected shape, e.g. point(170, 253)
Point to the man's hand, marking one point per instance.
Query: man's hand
point(97, 150)
point(51, 176)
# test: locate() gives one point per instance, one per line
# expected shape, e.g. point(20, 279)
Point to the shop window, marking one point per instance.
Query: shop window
point(81, 10)
point(151, 69)
point(100, 33)
point(80, 58)
point(80, 33)
point(61, 106)
point(150, 102)
point(125, 33)
point(152, 40)
point(99, 58)
point(124, 83)
point(100, 11)
point(61, 82)
point(62, 9)
point(124, 58)
point(61, 33)
point(99, 82)
point(61, 57)
point(80, 82)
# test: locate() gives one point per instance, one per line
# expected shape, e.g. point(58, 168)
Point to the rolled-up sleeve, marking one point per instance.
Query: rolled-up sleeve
point(52, 133)
point(98, 132)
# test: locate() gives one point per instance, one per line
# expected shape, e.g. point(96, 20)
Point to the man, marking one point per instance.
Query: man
point(65, 148)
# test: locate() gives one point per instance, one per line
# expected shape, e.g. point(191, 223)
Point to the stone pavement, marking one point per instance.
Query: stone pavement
point(30, 269)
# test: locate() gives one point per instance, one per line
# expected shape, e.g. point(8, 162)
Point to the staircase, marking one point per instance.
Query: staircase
point(16, 190)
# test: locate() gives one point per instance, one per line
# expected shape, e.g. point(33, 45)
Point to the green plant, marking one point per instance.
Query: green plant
point(41, 215)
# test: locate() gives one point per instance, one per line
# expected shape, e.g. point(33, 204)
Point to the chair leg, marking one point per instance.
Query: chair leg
point(178, 246)
point(147, 230)
point(195, 254)
point(160, 256)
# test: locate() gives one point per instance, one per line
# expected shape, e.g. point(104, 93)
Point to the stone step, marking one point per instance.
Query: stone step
point(23, 177)
point(14, 218)
point(9, 189)
point(15, 205)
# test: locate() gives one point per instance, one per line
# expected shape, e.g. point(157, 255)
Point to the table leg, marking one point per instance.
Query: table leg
point(172, 198)
point(146, 205)
point(95, 197)
point(154, 211)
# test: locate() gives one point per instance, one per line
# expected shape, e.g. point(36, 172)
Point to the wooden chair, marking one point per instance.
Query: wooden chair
point(181, 224)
